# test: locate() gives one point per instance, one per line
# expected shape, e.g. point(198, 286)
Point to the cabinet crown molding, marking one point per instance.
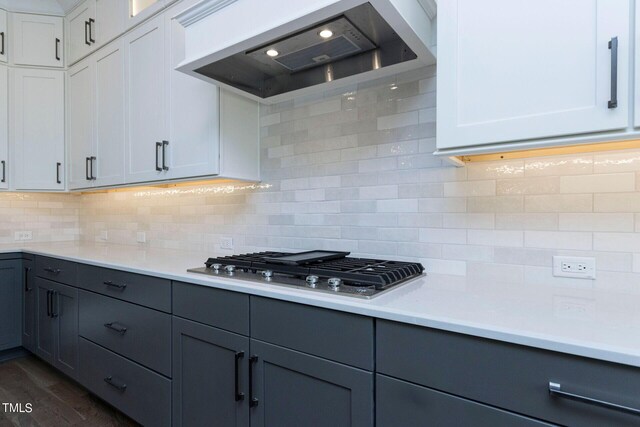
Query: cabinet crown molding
point(201, 11)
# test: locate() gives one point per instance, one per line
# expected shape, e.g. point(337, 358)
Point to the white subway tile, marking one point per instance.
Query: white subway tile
point(470, 188)
point(547, 166)
point(443, 235)
point(494, 170)
point(398, 205)
point(495, 238)
point(398, 120)
point(616, 242)
point(601, 183)
point(559, 203)
point(558, 240)
point(596, 222)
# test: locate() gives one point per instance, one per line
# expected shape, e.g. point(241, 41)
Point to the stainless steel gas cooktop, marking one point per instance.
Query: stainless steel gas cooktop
point(321, 271)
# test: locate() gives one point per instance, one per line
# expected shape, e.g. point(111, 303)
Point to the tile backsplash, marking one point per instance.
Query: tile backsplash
point(353, 170)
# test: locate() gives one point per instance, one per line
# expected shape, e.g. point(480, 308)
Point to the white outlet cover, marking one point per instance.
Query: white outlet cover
point(588, 272)
point(141, 237)
point(226, 243)
point(104, 235)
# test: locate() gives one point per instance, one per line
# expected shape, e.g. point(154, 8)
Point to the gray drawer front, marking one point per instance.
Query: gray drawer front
point(342, 337)
point(57, 270)
point(215, 307)
point(509, 376)
point(147, 339)
point(147, 396)
point(143, 290)
point(399, 403)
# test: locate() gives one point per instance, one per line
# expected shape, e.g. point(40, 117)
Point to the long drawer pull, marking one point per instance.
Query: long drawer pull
point(120, 386)
point(555, 389)
point(238, 394)
point(119, 329)
point(253, 401)
point(613, 46)
point(115, 285)
point(49, 303)
point(52, 270)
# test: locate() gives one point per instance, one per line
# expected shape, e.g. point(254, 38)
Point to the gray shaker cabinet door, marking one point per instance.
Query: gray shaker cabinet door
point(45, 346)
point(65, 314)
point(210, 376)
point(10, 310)
point(295, 389)
point(399, 403)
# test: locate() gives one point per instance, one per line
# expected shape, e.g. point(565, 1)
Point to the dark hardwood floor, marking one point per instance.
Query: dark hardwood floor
point(56, 400)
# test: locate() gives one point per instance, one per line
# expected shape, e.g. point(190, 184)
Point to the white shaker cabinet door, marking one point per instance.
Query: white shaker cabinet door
point(194, 136)
point(37, 40)
point(109, 162)
point(530, 69)
point(81, 23)
point(37, 128)
point(81, 125)
point(4, 131)
point(146, 88)
point(110, 20)
point(3, 36)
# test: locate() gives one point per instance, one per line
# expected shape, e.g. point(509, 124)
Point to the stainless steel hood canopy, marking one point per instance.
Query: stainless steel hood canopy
point(333, 45)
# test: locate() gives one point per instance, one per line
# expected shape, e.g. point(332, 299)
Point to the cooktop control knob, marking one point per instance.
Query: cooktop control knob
point(230, 269)
point(267, 274)
point(312, 281)
point(334, 283)
point(216, 267)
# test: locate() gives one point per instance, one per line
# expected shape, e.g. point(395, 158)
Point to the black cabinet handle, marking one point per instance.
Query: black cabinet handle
point(115, 285)
point(555, 389)
point(2, 43)
point(49, 303)
point(164, 155)
point(119, 329)
point(54, 304)
point(91, 175)
point(238, 394)
point(52, 270)
point(158, 147)
point(120, 386)
point(253, 401)
point(613, 46)
point(57, 49)
point(27, 270)
point(86, 36)
point(58, 173)
point(86, 167)
point(4, 171)
point(91, 22)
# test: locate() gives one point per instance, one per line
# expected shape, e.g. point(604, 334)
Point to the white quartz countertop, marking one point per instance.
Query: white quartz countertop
point(596, 323)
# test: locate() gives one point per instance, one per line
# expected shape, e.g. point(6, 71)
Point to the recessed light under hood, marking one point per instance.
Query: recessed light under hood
point(339, 48)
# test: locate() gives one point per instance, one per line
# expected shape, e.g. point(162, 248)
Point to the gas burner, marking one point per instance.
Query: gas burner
point(324, 271)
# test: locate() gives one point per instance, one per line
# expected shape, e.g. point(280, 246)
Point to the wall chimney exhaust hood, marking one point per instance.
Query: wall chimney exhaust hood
point(275, 50)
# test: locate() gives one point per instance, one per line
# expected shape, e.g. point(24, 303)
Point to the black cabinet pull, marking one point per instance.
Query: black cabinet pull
point(49, 303)
point(58, 173)
point(119, 329)
point(86, 166)
point(52, 270)
point(115, 285)
point(91, 175)
point(158, 147)
point(2, 43)
point(120, 386)
point(253, 401)
point(164, 155)
point(86, 39)
point(27, 270)
point(4, 171)
point(91, 22)
point(54, 304)
point(613, 46)
point(555, 389)
point(57, 49)
point(238, 394)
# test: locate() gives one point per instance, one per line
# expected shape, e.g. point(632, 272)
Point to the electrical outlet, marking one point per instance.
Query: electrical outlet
point(23, 235)
point(104, 235)
point(226, 243)
point(576, 267)
point(141, 237)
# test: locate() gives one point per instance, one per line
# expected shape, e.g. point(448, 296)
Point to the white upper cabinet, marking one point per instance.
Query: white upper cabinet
point(37, 129)
point(146, 78)
point(37, 40)
point(3, 36)
point(532, 69)
point(80, 126)
point(93, 24)
point(4, 129)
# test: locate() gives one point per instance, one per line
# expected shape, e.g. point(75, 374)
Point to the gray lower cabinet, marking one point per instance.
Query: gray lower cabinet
point(210, 376)
point(29, 310)
point(291, 389)
point(399, 403)
point(10, 307)
point(57, 325)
